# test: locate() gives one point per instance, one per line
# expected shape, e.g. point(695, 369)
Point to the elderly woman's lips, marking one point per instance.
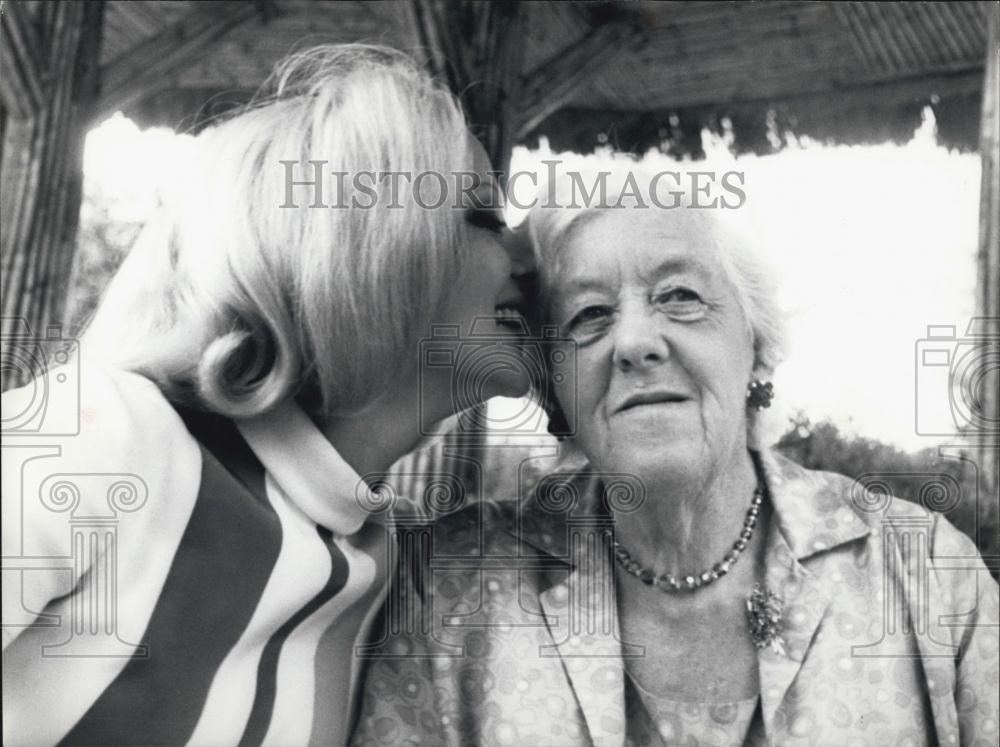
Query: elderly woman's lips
point(651, 398)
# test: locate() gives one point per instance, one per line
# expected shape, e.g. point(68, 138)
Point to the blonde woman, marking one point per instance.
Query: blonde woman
point(258, 352)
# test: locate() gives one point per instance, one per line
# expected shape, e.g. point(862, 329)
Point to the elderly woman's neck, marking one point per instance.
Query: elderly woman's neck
point(689, 522)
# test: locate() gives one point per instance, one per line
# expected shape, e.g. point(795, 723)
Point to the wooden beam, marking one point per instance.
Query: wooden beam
point(988, 259)
point(577, 128)
point(882, 93)
point(20, 85)
point(152, 63)
point(551, 85)
point(41, 157)
point(989, 149)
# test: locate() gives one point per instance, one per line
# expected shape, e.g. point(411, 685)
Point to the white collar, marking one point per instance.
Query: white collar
point(307, 468)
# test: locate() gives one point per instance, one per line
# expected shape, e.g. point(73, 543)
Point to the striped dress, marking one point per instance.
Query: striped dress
point(171, 577)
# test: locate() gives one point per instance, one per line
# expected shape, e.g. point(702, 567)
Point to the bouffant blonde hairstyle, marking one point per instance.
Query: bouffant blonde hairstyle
point(237, 297)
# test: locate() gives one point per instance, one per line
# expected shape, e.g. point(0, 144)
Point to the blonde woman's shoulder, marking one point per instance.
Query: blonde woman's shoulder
point(85, 444)
point(89, 410)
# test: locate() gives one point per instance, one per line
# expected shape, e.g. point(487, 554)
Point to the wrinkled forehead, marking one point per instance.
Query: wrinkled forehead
point(638, 241)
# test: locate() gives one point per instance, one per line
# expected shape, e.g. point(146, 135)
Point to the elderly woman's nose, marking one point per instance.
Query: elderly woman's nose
point(639, 341)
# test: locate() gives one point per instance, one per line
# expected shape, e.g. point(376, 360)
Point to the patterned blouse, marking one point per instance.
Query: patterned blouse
point(504, 627)
point(655, 721)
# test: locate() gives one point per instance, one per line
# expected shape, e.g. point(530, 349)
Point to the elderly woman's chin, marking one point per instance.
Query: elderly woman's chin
point(651, 444)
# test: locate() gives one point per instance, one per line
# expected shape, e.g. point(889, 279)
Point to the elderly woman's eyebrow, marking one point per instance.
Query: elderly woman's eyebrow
point(576, 285)
point(679, 265)
point(673, 266)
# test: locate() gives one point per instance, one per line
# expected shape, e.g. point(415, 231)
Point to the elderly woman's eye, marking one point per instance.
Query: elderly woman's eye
point(588, 318)
point(682, 302)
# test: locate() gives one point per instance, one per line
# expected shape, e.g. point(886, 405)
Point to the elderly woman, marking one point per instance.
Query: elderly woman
point(193, 565)
point(686, 586)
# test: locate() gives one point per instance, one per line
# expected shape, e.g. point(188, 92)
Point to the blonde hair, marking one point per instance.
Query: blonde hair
point(235, 302)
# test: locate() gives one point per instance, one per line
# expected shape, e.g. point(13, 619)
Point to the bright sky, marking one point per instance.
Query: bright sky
point(872, 245)
point(126, 168)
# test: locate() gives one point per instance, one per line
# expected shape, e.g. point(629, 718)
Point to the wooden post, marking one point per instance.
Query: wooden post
point(49, 52)
point(473, 46)
point(988, 259)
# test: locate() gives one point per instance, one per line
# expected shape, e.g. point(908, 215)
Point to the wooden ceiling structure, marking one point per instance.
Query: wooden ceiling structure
point(633, 75)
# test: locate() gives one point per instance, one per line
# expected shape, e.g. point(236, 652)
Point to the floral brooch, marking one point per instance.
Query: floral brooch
point(764, 614)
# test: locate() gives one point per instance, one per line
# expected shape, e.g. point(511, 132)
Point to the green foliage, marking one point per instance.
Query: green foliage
point(103, 242)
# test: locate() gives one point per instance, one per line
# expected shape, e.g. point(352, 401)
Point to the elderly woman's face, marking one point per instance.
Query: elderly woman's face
point(664, 356)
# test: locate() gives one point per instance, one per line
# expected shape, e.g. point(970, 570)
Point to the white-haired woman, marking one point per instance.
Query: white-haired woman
point(194, 564)
point(686, 586)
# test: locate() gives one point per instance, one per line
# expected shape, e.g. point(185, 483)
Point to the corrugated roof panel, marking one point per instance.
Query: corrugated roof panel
point(901, 38)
